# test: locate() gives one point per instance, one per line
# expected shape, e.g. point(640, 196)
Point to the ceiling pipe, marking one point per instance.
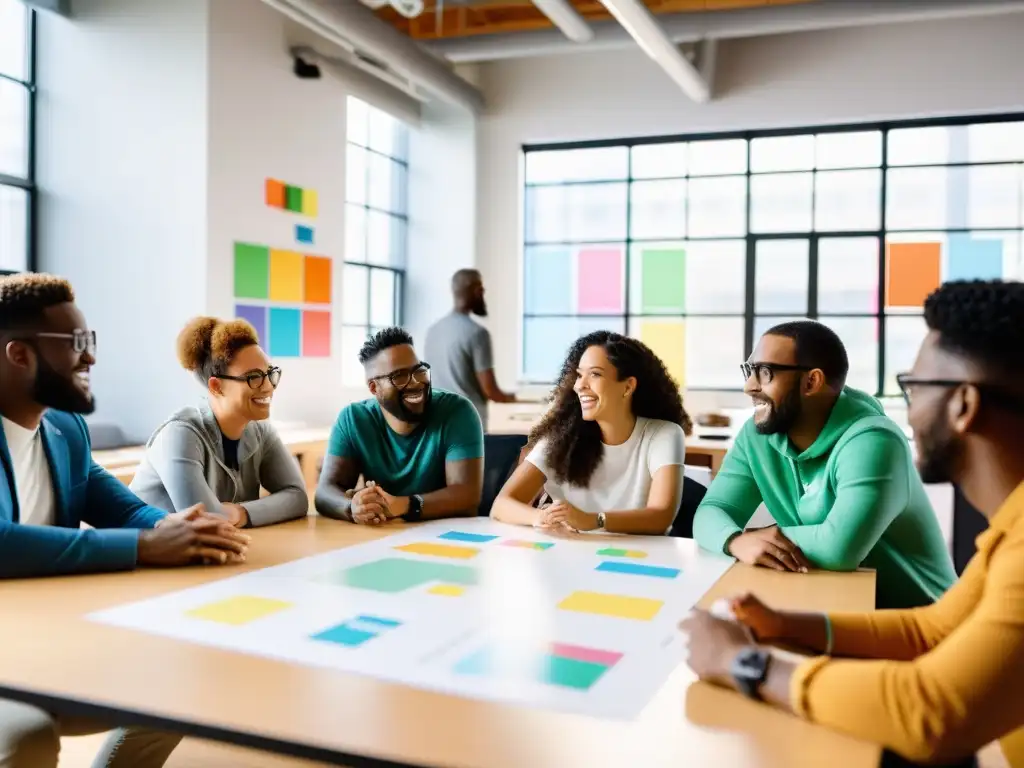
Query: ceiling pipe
point(356, 29)
point(641, 25)
point(724, 25)
point(564, 16)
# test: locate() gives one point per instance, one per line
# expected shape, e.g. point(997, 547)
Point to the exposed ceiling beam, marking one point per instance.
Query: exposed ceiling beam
point(725, 25)
point(564, 16)
point(648, 34)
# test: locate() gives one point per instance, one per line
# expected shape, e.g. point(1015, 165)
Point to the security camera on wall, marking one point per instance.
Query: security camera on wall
point(305, 70)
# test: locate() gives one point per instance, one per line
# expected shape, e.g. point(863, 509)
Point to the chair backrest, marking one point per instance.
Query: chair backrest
point(105, 437)
point(695, 484)
point(502, 454)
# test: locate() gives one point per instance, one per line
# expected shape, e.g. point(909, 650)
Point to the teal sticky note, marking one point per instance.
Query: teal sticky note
point(285, 332)
point(972, 258)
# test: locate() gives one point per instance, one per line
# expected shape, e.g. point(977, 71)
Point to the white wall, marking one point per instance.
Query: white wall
point(840, 76)
point(122, 179)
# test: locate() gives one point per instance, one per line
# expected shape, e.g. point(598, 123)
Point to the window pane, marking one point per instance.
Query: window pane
point(386, 189)
point(763, 324)
point(917, 198)
point(782, 153)
point(919, 146)
point(718, 157)
point(849, 150)
point(903, 337)
point(993, 194)
point(546, 341)
point(658, 209)
point(578, 212)
point(355, 233)
point(355, 292)
point(716, 273)
point(714, 351)
point(355, 174)
point(718, 207)
point(385, 241)
point(658, 161)
point(352, 339)
point(13, 129)
point(593, 164)
point(358, 120)
point(781, 202)
point(860, 337)
point(781, 278)
point(848, 200)
point(848, 275)
point(385, 134)
point(13, 229)
point(13, 38)
point(382, 297)
point(992, 142)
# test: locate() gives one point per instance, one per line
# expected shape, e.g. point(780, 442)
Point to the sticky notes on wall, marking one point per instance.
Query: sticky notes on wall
point(547, 281)
point(599, 280)
point(913, 271)
point(286, 276)
point(252, 271)
point(285, 332)
point(317, 280)
point(316, 333)
point(667, 339)
point(663, 286)
point(303, 234)
point(971, 258)
point(255, 316)
point(290, 197)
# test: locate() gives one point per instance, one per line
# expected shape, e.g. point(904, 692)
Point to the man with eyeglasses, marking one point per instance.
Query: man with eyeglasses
point(409, 452)
point(833, 470)
point(49, 486)
point(935, 684)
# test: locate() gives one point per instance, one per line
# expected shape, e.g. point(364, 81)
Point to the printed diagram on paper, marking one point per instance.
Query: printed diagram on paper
point(466, 607)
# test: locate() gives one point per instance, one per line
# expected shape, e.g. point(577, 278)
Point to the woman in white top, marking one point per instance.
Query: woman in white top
point(610, 450)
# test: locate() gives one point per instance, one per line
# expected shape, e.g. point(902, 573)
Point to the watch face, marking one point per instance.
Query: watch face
point(751, 664)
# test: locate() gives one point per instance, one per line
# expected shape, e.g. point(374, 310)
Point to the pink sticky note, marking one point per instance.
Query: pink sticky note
point(599, 275)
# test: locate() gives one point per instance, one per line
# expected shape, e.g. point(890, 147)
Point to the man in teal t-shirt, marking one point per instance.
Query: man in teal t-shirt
point(409, 451)
point(834, 471)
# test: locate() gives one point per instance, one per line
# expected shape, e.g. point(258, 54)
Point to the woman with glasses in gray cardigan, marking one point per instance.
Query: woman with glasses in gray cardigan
point(222, 453)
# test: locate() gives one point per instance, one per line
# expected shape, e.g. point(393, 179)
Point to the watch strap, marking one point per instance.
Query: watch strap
point(749, 670)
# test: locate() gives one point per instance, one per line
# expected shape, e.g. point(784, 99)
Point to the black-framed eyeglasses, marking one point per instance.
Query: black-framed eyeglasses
point(993, 394)
point(81, 341)
point(766, 371)
point(402, 378)
point(255, 379)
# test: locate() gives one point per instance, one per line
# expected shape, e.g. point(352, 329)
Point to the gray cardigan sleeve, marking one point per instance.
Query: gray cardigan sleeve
point(279, 474)
point(177, 456)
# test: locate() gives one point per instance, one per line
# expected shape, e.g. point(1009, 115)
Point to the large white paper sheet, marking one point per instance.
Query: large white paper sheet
point(466, 607)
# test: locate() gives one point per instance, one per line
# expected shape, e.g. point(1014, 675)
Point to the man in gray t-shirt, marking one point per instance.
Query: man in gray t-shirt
point(459, 349)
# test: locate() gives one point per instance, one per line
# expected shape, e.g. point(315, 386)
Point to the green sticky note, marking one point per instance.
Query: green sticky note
point(293, 198)
point(571, 673)
point(612, 552)
point(664, 280)
point(252, 271)
point(393, 574)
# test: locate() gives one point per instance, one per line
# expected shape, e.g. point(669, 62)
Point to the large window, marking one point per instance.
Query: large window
point(17, 106)
point(376, 227)
point(697, 245)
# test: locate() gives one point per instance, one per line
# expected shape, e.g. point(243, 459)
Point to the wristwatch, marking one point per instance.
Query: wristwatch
point(600, 520)
point(415, 511)
point(750, 669)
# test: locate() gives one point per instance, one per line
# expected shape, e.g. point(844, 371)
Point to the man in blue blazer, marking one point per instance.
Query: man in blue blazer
point(50, 486)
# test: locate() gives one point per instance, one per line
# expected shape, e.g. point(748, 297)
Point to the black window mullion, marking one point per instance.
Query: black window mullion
point(882, 258)
point(812, 277)
point(748, 301)
point(629, 238)
point(32, 225)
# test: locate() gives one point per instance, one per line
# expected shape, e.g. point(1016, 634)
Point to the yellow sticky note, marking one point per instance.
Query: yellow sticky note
point(286, 276)
point(667, 339)
point(309, 202)
point(448, 590)
point(237, 611)
point(619, 606)
point(440, 550)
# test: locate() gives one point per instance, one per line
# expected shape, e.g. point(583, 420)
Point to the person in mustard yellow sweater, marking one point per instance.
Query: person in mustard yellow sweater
point(932, 684)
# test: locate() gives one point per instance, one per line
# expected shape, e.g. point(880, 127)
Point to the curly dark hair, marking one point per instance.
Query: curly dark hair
point(381, 340)
point(24, 297)
point(207, 345)
point(574, 447)
point(981, 321)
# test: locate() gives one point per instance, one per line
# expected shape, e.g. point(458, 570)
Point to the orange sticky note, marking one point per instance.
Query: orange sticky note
point(275, 193)
point(318, 280)
point(913, 271)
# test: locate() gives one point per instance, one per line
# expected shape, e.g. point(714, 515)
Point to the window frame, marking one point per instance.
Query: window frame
point(27, 182)
point(812, 235)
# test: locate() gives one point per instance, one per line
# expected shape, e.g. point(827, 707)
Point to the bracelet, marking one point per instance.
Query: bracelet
point(828, 634)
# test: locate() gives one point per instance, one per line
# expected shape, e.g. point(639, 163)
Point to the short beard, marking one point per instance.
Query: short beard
point(394, 405)
point(52, 390)
point(782, 417)
point(479, 308)
point(938, 454)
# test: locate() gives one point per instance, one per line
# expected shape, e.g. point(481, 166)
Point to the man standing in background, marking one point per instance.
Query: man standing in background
point(459, 349)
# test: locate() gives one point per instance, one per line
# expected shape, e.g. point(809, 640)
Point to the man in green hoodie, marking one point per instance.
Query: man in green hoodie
point(834, 471)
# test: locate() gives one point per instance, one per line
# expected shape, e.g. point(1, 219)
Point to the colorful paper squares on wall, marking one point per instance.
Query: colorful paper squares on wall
point(289, 197)
point(252, 271)
point(256, 317)
point(286, 276)
point(310, 204)
point(285, 332)
point(547, 286)
point(970, 258)
point(293, 199)
point(599, 276)
point(275, 196)
point(667, 339)
point(303, 234)
point(663, 281)
point(318, 280)
point(913, 272)
point(316, 333)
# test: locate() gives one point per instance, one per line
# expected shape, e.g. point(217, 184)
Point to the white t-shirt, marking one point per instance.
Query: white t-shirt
point(31, 474)
point(623, 478)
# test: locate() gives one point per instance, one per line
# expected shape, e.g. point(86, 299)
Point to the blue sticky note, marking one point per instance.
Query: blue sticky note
point(636, 569)
point(285, 332)
point(547, 288)
point(974, 259)
point(479, 538)
point(378, 621)
point(303, 233)
point(256, 316)
point(344, 635)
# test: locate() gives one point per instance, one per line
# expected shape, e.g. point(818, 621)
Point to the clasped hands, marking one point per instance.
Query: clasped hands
point(372, 505)
point(561, 515)
point(192, 536)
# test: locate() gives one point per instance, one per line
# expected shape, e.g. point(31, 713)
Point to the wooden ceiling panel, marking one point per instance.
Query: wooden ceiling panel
point(462, 18)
